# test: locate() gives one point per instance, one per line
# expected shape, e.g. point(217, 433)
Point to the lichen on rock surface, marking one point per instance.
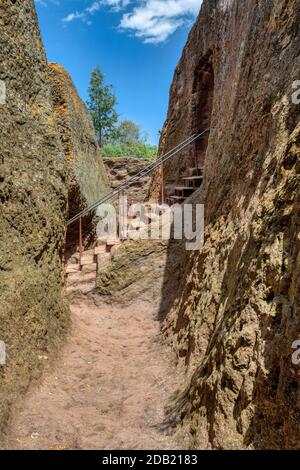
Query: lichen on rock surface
point(236, 314)
point(87, 177)
point(33, 197)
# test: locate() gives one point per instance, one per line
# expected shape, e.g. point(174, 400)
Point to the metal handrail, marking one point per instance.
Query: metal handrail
point(145, 171)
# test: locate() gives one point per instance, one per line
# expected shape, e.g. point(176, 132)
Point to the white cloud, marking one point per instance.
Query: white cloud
point(44, 2)
point(73, 16)
point(116, 5)
point(153, 21)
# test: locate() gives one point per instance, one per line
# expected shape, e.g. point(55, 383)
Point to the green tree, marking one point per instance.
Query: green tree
point(101, 104)
point(136, 149)
point(128, 132)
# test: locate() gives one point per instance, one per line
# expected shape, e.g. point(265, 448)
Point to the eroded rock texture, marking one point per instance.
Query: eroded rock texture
point(138, 271)
point(33, 198)
point(122, 169)
point(238, 312)
point(87, 175)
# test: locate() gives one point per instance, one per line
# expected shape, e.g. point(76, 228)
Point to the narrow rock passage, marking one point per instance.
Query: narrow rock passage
point(108, 390)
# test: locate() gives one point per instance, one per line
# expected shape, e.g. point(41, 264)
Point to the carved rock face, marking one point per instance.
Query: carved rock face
point(121, 169)
point(49, 162)
point(236, 314)
point(86, 172)
point(33, 198)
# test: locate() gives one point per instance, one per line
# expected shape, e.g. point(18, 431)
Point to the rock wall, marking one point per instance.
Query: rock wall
point(33, 198)
point(237, 311)
point(87, 175)
point(138, 271)
point(121, 169)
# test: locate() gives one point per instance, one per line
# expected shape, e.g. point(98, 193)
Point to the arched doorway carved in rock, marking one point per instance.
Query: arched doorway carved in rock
point(203, 94)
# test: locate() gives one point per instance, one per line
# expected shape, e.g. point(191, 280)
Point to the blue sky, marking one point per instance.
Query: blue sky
point(137, 44)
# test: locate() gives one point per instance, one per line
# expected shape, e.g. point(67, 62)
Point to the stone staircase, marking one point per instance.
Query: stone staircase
point(82, 273)
point(191, 182)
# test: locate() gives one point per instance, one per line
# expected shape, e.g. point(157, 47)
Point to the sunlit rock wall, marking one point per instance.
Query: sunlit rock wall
point(87, 178)
point(237, 312)
point(33, 199)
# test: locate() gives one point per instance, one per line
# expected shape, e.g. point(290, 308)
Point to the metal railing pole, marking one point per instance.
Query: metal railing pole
point(122, 214)
point(162, 185)
point(80, 240)
point(195, 154)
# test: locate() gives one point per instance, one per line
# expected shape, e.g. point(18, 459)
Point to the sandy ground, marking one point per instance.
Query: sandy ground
point(108, 390)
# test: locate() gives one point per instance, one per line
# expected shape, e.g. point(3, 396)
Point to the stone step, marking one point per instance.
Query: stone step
point(105, 240)
point(104, 257)
point(113, 241)
point(80, 278)
point(183, 190)
point(99, 250)
point(194, 171)
point(89, 268)
point(86, 260)
point(101, 241)
point(88, 253)
point(193, 181)
point(83, 288)
point(72, 268)
point(193, 178)
point(175, 199)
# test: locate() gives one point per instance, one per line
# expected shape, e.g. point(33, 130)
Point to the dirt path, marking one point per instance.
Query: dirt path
point(107, 391)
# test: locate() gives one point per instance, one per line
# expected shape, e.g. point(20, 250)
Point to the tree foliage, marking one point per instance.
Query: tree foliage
point(102, 103)
point(116, 140)
point(128, 132)
point(134, 149)
point(128, 141)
